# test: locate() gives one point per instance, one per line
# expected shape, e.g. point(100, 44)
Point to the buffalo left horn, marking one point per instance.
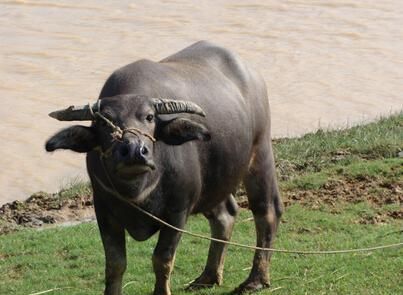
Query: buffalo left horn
point(170, 106)
point(76, 113)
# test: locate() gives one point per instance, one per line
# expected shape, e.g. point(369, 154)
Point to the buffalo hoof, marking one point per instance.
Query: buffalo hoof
point(162, 292)
point(250, 286)
point(204, 281)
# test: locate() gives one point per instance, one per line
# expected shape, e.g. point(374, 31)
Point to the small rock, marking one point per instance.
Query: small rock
point(88, 203)
point(48, 219)
point(37, 222)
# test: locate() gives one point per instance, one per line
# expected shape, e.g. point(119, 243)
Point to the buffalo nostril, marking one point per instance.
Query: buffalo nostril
point(124, 151)
point(144, 150)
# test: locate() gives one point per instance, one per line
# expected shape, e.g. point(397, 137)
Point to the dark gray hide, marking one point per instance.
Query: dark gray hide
point(194, 166)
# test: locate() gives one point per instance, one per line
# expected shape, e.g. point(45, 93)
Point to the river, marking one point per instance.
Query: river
point(326, 63)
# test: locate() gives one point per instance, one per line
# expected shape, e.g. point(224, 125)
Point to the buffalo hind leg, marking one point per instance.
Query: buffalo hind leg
point(221, 220)
point(265, 204)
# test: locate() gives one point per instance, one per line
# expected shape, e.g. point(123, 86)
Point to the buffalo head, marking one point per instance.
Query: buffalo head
point(124, 131)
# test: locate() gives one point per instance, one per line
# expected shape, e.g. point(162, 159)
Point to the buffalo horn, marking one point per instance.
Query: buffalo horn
point(170, 106)
point(75, 113)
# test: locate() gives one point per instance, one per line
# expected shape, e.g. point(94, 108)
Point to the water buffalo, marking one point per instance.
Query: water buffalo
point(176, 137)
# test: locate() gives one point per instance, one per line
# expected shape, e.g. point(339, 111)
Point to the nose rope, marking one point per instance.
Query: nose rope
point(117, 133)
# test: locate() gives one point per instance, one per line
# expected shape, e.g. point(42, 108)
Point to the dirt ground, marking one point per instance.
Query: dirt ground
point(43, 209)
point(337, 193)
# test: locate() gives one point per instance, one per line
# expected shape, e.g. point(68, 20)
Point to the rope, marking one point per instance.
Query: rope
point(136, 131)
point(239, 244)
point(118, 132)
point(260, 248)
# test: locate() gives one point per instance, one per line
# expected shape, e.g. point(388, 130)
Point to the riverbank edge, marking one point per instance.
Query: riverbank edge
point(363, 163)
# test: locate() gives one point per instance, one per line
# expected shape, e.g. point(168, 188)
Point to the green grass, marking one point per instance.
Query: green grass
point(72, 258)
point(364, 156)
point(315, 151)
point(73, 189)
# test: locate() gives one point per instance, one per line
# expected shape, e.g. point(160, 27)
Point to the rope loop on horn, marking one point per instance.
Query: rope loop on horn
point(98, 108)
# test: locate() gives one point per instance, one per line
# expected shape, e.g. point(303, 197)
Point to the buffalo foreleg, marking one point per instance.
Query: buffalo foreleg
point(113, 239)
point(221, 220)
point(164, 254)
point(264, 201)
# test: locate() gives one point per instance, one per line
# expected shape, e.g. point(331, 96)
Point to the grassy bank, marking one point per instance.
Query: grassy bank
point(72, 258)
point(342, 189)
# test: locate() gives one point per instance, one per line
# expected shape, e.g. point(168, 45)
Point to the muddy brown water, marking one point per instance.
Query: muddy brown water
point(326, 63)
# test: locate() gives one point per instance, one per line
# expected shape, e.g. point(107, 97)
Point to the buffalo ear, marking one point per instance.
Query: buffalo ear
point(77, 138)
point(181, 130)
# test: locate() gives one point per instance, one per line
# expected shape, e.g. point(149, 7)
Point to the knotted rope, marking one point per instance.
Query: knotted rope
point(117, 132)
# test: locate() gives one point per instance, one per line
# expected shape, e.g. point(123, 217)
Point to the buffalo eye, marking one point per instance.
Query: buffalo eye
point(150, 118)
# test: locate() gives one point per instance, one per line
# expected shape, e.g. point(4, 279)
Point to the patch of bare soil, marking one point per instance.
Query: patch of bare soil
point(336, 192)
point(43, 209)
point(349, 190)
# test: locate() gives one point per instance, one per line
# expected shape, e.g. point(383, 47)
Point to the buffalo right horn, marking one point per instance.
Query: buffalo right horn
point(76, 113)
point(171, 106)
